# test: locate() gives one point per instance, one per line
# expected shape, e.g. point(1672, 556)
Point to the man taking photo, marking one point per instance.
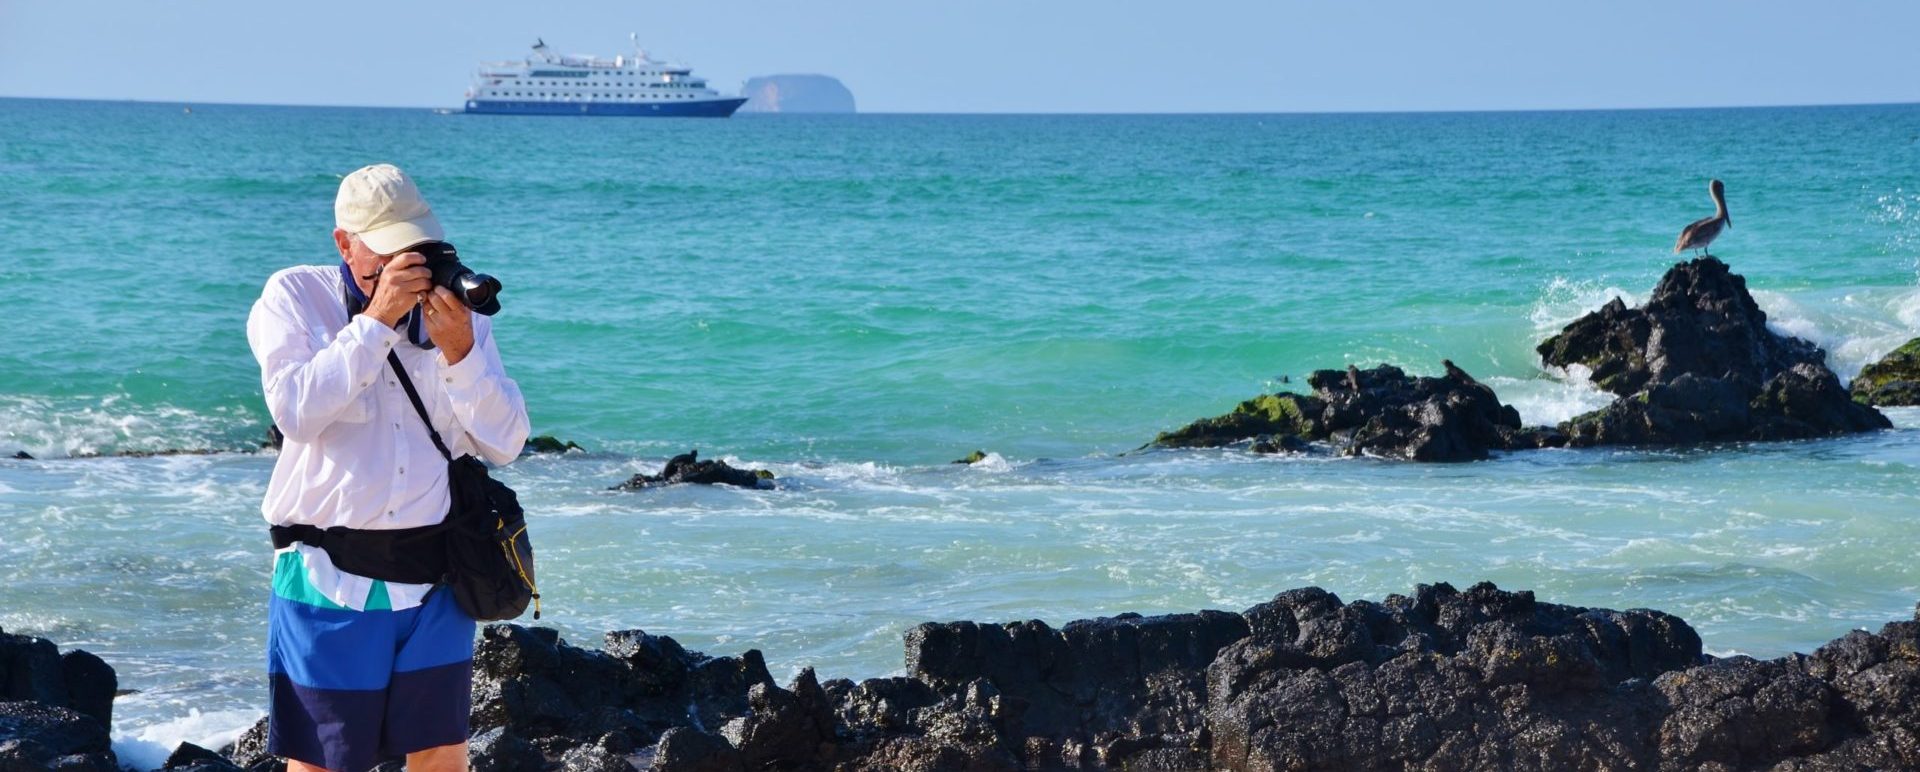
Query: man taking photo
point(362, 669)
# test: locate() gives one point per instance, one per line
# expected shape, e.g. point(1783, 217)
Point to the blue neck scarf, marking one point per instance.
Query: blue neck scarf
point(357, 301)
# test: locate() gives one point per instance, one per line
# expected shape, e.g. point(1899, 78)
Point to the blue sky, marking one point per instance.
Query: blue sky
point(998, 56)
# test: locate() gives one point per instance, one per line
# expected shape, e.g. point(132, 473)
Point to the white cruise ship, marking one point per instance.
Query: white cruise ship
point(551, 84)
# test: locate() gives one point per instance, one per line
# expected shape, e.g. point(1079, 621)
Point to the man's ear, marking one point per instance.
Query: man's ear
point(342, 241)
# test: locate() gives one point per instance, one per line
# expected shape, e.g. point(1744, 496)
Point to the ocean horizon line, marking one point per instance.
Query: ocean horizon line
point(456, 107)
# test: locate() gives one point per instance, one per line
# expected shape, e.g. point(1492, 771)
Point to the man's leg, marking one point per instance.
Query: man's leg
point(301, 766)
point(446, 758)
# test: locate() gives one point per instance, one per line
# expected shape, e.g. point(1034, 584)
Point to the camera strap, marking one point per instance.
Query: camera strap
point(420, 407)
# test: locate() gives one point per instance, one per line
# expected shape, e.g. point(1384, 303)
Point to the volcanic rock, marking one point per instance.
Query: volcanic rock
point(547, 443)
point(498, 750)
point(1697, 363)
point(558, 696)
point(1441, 679)
point(687, 468)
point(249, 750)
point(55, 707)
point(35, 735)
point(1892, 381)
point(187, 757)
point(1377, 412)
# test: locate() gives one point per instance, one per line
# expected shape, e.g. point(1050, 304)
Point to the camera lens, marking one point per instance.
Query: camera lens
point(478, 289)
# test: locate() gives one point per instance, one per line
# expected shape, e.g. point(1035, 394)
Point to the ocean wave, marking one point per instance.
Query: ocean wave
point(1564, 300)
point(147, 747)
point(1548, 401)
point(49, 427)
point(1856, 326)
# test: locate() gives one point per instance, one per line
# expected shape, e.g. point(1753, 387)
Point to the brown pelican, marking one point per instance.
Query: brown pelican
point(1702, 232)
point(1353, 378)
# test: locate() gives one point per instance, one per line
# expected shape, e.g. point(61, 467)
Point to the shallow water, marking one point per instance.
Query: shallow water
point(853, 301)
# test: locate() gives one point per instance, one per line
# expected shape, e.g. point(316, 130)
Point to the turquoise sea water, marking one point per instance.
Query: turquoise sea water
point(853, 301)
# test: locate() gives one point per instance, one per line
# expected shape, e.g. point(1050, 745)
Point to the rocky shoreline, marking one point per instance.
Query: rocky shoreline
point(1695, 364)
point(1442, 678)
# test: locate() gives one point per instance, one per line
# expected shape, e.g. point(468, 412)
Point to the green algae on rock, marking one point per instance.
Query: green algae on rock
point(1891, 382)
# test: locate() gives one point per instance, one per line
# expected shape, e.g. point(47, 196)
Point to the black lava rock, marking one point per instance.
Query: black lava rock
point(683, 749)
point(547, 443)
point(557, 696)
point(1441, 679)
point(1697, 363)
point(498, 750)
point(1376, 412)
point(249, 750)
point(59, 731)
point(687, 468)
point(188, 757)
point(54, 708)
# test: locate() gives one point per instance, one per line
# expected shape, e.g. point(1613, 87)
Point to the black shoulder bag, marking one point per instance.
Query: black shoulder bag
point(489, 556)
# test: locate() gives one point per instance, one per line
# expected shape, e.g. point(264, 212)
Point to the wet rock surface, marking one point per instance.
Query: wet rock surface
point(688, 468)
point(1697, 363)
point(1380, 411)
point(55, 707)
point(1892, 381)
point(1439, 679)
point(547, 443)
point(188, 757)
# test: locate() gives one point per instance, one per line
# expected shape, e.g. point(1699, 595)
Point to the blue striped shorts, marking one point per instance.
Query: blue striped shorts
point(351, 689)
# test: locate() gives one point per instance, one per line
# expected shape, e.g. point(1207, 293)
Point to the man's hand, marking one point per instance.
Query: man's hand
point(401, 285)
point(449, 324)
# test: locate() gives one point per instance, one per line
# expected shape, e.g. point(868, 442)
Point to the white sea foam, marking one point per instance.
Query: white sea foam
point(52, 428)
point(1564, 300)
point(992, 463)
point(1856, 327)
point(1543, 401)
point(147, 747)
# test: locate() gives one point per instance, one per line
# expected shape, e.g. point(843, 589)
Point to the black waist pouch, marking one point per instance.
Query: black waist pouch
point(405, 555)
point(489, 557)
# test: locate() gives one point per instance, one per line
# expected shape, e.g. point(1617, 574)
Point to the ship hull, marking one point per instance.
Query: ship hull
point(704, 108)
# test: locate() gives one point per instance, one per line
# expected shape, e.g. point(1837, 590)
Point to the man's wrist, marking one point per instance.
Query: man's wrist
point(454, 357)
point(386, 318)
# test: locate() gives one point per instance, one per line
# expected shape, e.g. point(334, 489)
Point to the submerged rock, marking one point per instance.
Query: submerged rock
point(687, 468)
point(1376, 412)
point(1697, 363)
point(547, 443)
point(1892, 381)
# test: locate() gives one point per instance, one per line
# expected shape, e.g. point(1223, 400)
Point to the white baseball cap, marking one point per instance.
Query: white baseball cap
point(381, 205)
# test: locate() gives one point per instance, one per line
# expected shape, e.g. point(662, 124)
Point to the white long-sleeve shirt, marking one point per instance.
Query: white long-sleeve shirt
point(355, 452)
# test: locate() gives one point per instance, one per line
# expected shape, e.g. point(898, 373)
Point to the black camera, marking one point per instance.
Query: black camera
point(479, 291)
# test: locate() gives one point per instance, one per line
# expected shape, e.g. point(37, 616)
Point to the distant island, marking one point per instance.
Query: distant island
point(796, 94)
